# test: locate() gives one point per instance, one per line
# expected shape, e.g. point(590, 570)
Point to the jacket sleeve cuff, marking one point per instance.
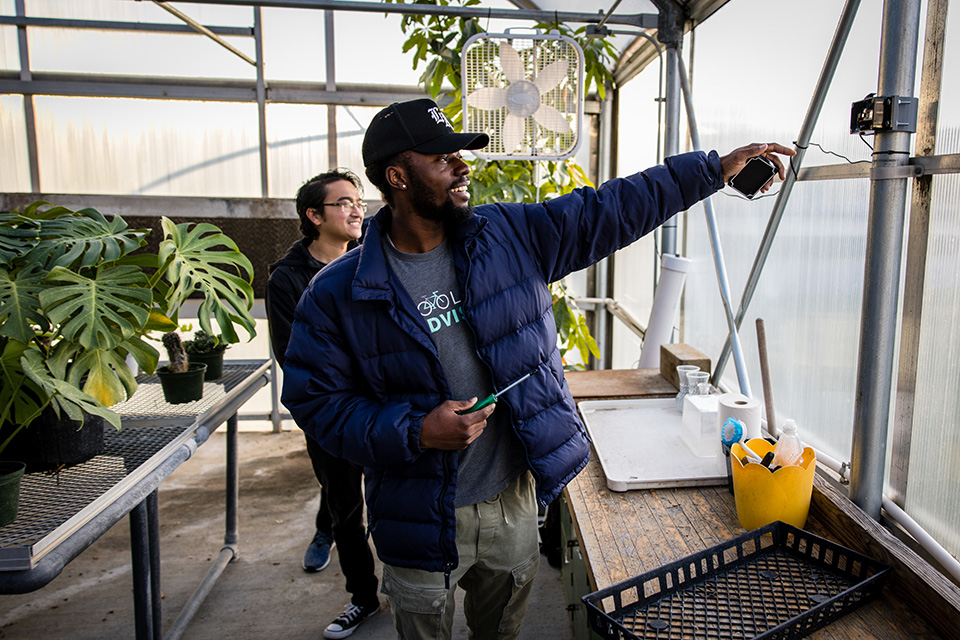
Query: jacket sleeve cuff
point(416, 424)
point(715, 170)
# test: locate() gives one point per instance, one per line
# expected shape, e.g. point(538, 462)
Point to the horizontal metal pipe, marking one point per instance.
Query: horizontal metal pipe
point(641, 20)
point(924, 539)
point(111, 25)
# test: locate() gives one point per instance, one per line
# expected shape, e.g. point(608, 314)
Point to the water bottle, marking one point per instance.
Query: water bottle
point(789, 449)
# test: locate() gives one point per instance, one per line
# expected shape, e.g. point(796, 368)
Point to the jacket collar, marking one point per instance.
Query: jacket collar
point(371, 281)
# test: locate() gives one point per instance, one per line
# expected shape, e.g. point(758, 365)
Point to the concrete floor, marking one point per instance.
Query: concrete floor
point(264, 593)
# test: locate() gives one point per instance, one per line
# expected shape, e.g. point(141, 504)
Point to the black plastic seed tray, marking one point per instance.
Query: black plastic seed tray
point(784, 585)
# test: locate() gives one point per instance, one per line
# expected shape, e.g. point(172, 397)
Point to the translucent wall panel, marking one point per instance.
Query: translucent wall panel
point(810, 291)
point(15, 172)
point(351, 126)
point(933, 483)
point(297, 143)
point(137, 53)
point(294, 45)
point(9, 52)
point(634, 271)
point(218, 15)
point(147, 147)
point(369, 50)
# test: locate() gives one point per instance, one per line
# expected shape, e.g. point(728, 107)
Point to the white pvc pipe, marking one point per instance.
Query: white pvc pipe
point(932, 547)
point(666, 302)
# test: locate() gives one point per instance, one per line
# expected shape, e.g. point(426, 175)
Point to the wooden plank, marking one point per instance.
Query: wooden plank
point(618, 384)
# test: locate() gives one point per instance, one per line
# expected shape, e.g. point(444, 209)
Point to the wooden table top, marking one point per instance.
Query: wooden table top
point(623, 535)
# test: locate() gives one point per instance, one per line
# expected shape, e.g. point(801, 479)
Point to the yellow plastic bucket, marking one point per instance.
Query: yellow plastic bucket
point(763, 496)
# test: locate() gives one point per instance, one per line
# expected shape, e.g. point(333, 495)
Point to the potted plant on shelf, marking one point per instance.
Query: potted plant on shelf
point(77, 298)
point(181, 380)
point(208, 349)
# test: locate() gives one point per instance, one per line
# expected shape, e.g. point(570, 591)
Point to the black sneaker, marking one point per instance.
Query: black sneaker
point(347, 622)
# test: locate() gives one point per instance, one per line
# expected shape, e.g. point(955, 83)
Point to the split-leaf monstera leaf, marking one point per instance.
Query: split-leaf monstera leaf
point(76, 298)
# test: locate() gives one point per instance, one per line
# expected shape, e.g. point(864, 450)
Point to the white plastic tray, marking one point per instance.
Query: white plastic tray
point(640, 446)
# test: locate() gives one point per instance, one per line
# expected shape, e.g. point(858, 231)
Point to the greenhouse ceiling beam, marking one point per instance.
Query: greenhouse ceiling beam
point(103, 86)
point(640, 20)
point(112, 25)
point(199, 28)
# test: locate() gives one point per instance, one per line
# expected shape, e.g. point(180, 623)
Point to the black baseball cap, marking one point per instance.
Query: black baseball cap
point(415, 125)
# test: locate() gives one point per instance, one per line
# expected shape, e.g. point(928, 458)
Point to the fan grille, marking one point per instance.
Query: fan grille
point(525, 93)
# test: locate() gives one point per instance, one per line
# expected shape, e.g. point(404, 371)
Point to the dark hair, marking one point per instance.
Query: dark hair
point(313, 192)
point(377, 174)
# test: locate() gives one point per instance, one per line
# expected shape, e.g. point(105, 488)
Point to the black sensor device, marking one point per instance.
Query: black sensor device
point(757, 172)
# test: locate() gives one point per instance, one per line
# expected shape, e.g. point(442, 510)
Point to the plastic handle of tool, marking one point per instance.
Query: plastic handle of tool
point(490, 399)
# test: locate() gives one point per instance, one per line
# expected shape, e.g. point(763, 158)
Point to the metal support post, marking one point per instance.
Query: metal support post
point(231, 536)
point(881, 286)
point(153, 549)
point(333, 159)
point(671, 139)
point(261, 102)
point(803, 140)
point(140, 558)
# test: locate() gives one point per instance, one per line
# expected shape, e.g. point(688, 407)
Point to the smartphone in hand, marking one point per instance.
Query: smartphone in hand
point(755, 174)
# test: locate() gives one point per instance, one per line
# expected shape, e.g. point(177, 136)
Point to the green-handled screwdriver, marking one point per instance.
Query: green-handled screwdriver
point(492, 398)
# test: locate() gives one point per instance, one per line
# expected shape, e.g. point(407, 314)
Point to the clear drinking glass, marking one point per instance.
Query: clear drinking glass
point(697, 380)
point(682, 371)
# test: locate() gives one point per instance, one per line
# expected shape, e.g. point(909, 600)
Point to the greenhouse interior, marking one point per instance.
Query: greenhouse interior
point(177, 134)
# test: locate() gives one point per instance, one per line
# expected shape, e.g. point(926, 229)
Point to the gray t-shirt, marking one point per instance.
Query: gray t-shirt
point(492, 461)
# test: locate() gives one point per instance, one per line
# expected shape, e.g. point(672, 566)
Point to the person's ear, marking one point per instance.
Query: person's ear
point(314, 216)
point(396, 178)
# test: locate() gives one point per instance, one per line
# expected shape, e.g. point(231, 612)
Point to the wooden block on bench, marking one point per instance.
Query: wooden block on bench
point(673, 355)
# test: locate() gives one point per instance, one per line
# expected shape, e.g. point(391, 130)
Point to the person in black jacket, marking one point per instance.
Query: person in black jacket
point(331, 217)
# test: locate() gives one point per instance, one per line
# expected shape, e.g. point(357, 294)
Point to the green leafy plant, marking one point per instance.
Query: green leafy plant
point(437, 42)
point(205, 343)
point(76, 299)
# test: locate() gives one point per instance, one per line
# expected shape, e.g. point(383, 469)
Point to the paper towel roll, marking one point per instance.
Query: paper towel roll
point(739, 406)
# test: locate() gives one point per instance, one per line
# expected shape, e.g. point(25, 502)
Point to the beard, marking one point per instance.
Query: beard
point(429, 209)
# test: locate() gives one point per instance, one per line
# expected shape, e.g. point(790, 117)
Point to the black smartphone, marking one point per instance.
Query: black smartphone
point(757, 172)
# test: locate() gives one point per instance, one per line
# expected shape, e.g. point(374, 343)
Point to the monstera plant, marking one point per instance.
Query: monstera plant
point(77, 298)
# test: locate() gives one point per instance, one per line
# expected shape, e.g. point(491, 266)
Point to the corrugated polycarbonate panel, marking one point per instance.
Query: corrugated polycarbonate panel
point(15, 175)
point(147, 147)
point(297, 146)
point(933, 483)
point(809, 297)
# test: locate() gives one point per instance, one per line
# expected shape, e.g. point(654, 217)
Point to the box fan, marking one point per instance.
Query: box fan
point(525, 92)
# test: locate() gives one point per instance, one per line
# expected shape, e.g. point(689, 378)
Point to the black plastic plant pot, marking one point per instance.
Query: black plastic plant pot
point(179, 388)
point(214, 362)
point(10, 474)
point(50, 442)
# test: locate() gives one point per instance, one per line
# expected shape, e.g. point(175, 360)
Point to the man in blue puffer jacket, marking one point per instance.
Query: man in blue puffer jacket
point(393, 342)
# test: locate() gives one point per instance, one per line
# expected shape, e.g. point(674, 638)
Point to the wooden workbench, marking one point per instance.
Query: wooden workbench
point(622, 535)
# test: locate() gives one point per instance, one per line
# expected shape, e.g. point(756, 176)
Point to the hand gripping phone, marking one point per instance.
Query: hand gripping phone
point(757, 172)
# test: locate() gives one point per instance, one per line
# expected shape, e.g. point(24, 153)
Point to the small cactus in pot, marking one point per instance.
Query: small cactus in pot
point(181, 381)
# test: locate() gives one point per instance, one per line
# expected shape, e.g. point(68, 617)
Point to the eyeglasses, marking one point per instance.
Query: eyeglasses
point(347, 206)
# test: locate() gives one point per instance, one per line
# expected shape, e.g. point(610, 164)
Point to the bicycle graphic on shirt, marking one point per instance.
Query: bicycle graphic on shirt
point(430, 303)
